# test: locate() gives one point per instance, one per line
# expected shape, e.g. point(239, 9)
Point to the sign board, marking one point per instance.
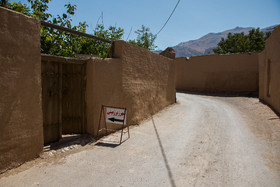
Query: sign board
point(115, 115)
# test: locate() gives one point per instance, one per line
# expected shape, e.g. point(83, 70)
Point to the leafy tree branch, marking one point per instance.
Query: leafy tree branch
point(241, 43)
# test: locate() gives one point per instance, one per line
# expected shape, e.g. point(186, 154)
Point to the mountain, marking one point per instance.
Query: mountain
point(268, 29)
point(207, 43)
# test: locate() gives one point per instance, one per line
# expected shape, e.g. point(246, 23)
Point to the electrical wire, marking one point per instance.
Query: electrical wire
point(169, 17)
point(100, 17)
point(129, 33)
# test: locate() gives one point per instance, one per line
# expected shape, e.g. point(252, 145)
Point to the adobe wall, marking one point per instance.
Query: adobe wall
point(135, 78)
point(104, 87)
point(148, 80)
point(269, 65)
point(235, 73)
point(21, 133)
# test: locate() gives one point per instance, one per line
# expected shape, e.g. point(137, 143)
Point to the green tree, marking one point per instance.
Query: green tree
point(4, 3)
point(60, 43)
point(257, 40)
point(240, 43)
point(144, 38)
point(90, 46)
point(19, 7)
point(57, 42)
point(39, 8)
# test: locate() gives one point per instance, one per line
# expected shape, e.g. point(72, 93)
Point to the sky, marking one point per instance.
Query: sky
point(191, 20)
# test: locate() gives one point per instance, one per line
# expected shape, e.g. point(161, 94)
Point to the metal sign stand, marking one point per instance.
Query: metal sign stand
point(117, 121)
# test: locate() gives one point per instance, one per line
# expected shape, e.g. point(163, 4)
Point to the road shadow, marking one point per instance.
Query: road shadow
point(170, 175)
point(70, 140)
point(272, 108)
point(223, 94)
point(111, 141)
point(107, 144)
point(111, 144)
point(274, 119)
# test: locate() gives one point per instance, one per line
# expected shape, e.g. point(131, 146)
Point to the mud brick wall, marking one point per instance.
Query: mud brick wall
point(269, 65)
point(235, 73)
point(135, 78)
point(148, 80)
point(21, 133)
point(104, 87)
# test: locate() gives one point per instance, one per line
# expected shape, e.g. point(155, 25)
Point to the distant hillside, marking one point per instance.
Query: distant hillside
point(207, 43)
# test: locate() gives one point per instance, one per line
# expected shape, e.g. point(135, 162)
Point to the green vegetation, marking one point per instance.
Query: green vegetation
point(241, 43)
point(60, 43)
point(144, 39)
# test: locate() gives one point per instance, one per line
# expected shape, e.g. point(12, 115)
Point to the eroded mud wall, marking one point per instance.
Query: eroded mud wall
point(104, 87)
point(234, 73)
point(148, 80)
point(135, 78)
point(21, 133)
point(269, 65)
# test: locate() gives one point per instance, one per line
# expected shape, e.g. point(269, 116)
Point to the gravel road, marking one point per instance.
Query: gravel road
point(200, 141)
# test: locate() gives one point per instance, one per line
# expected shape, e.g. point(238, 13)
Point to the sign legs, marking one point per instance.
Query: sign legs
point(113, 115)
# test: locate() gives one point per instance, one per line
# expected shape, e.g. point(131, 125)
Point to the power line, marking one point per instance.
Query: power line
point(129, 33)
point(100, 17)
point(169, 17)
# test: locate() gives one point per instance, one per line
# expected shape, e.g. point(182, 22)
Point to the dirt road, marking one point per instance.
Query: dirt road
point(201, 141)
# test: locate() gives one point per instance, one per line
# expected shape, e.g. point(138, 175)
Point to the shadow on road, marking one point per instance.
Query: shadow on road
point(172, 182)
point(106, 144)
point(111, 144)
point(70, 140)
point(112, 140)
point(222, 94)
point(274, 119)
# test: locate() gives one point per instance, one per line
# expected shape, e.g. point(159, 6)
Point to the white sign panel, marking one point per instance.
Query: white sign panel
point(116, 116)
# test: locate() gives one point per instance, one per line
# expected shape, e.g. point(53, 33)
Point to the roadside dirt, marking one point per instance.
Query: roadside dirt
point(264, 124)
point(201, 141)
